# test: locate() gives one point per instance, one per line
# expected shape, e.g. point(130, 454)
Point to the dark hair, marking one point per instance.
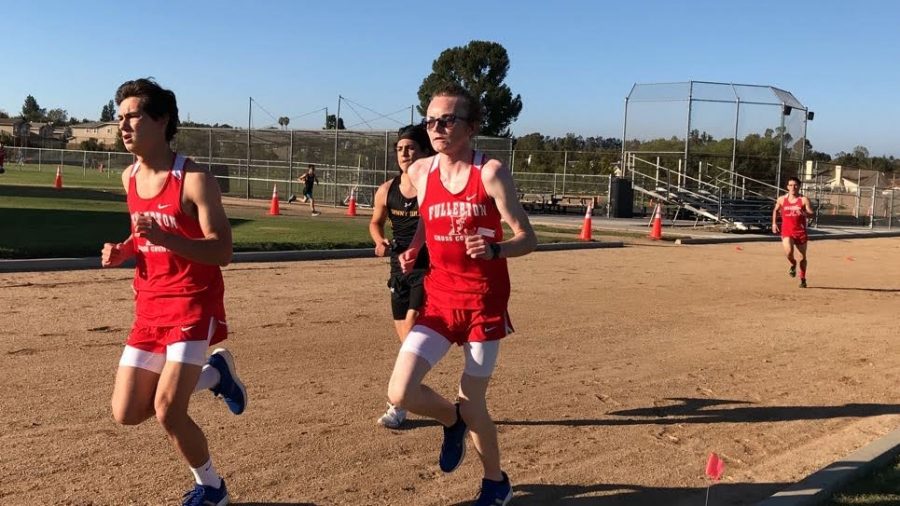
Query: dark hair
point(311, 166)
point(417, 134)
point(473, 105)
point(156, 101)
point(794, 179)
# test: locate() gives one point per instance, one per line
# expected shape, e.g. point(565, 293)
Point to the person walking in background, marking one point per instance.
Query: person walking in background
point(795, 210)
point(395, 200)
point(462, 198)
point(180, 238)
point(308, 179)
point(2, 158)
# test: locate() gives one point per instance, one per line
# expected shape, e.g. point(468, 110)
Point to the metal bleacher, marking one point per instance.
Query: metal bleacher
point(722, 197)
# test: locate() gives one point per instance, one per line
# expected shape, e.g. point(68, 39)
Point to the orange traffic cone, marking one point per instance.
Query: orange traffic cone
point(351, 205)
point(58, 182)
point(273, 209)
point(656, 231)
point(586, 227)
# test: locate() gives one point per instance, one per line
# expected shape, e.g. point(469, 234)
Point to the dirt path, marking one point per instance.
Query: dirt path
point(629, 366)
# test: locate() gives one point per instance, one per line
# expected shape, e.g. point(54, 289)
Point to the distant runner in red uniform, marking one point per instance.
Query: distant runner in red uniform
point(462, 197)
point(180, 238)
point(795, 210)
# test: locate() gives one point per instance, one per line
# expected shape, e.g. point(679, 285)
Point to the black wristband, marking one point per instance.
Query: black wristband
point(495, 250)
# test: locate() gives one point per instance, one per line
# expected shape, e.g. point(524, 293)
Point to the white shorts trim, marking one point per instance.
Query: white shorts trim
point(426, 343)
point(185, 352)
point(133, 357)
point(480, 357)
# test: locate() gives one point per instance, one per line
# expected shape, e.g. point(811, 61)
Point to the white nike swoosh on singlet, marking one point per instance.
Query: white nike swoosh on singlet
point(163, 206)
point(470, 197)
point(488, 329)
point(185, 329)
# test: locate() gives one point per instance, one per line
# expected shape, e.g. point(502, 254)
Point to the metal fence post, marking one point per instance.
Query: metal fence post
point(872, 210)
point(609, 197)
point(210, 152)
point(890, 214)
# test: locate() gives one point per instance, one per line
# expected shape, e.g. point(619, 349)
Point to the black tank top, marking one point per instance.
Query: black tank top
point(404, 216)
point(308, 184)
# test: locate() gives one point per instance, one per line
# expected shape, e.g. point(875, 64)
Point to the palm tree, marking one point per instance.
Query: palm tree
point(284, 121)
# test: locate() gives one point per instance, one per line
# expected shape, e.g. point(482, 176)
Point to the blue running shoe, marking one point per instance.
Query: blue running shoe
point(206, 496)
point(453, 449)
point(230, 387)
point(494, 493)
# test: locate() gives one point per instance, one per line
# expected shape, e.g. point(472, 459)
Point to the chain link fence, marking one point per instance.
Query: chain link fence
point(849, 197)
point(346, 161)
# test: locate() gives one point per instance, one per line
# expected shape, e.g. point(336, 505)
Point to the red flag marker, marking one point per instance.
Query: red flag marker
point(715, 467)
point(850, 259)
point(739, 248)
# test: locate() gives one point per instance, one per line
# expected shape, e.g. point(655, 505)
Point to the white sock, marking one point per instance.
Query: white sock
point(209, 377)
point(206, 475)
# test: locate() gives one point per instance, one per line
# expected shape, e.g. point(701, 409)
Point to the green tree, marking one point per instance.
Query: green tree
point(481, 68)
point(284, 121)
point(109, 112)
point(31, 111)
point(58, 117)
point(329, 122)
point(91, 144)
point(3, 114)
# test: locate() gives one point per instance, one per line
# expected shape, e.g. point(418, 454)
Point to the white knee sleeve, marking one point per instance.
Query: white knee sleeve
point(134, 357)
point(481, 358)
point(426, 343)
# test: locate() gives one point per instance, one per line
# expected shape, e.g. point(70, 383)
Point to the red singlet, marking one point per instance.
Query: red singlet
point(172, 290)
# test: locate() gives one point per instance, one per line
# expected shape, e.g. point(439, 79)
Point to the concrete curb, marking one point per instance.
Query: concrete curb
point(824, 483)
point(813, 237)
point(71, 264)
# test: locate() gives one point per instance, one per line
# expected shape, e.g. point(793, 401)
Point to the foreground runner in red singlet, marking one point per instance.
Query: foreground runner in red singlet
point(180, 238)
point(462, 197)
point(795, 209)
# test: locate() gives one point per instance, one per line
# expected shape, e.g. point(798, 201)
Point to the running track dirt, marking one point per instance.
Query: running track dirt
point(629, 366)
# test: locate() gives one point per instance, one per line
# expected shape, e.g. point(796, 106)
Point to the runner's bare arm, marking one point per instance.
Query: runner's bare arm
point(407, 259)
point(418, 176)
point(114, 254)
point(379, 217)
point(775, 215)
point(499, 184)
point(807, 207)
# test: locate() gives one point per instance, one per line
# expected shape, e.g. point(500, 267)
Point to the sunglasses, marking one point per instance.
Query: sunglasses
point(445, 121)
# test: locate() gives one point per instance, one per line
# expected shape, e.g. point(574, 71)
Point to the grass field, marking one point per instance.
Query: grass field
point(38, 221)
point(72, 177)
point(881, 489)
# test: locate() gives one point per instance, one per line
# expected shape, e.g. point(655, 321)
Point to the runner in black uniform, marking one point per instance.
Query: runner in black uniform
point(396, 200)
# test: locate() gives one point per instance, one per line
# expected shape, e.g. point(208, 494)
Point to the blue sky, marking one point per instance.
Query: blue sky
point(573, 62)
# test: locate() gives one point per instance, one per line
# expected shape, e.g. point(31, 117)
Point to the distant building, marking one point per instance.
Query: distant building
point(845, 179)
point(17, 128)
point(106, 133)
point(37, 135)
